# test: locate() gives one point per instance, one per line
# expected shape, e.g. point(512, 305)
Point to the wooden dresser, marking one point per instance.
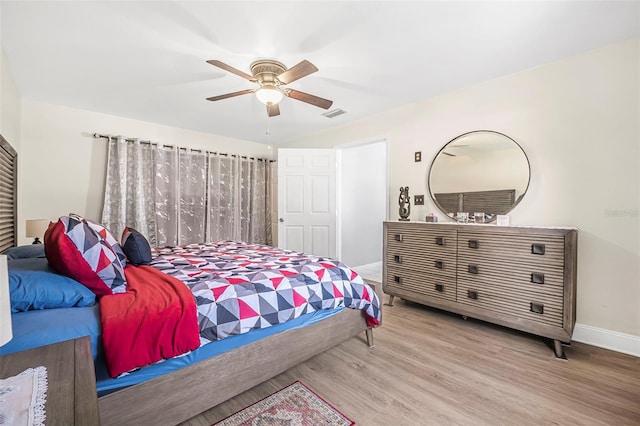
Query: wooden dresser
point(515, 276)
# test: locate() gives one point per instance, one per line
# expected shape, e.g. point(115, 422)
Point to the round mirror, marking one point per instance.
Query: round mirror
point(481, 173)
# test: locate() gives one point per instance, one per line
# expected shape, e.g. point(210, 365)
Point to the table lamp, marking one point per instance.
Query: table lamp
point(36, 229)
point(5, 304)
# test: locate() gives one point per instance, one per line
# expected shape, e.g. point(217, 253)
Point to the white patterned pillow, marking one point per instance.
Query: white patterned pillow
point(77, 250)
point(110, 239)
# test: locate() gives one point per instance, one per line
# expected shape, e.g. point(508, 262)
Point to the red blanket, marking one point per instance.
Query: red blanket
point(154, 319)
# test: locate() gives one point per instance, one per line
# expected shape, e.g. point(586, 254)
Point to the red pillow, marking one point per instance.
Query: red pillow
point(76, 250)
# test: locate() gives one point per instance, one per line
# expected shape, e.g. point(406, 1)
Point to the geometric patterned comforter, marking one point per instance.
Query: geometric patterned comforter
point(239, 287)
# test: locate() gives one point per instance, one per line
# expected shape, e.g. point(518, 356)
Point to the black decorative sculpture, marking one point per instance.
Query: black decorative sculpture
point(405, 203)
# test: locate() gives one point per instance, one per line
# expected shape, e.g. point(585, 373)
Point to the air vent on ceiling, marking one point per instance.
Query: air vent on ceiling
point(334, 113)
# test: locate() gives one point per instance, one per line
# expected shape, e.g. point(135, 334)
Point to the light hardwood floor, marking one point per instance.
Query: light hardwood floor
point(430, 367)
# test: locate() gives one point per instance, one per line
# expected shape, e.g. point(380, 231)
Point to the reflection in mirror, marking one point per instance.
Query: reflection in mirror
point(479, 172)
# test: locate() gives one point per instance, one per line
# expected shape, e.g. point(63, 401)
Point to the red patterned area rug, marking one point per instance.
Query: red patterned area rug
point(295, 405)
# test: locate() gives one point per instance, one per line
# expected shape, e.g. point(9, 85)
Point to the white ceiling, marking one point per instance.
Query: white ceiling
point(146, 60)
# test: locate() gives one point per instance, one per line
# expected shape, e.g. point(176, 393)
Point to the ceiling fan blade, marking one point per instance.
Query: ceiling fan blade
point(273, 110)
point(231, 69)
point(296, 72)
point(230, 95)
point(449, 154)
point(310, 99)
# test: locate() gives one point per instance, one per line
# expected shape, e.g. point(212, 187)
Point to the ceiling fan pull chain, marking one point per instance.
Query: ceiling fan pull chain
point(268, 132)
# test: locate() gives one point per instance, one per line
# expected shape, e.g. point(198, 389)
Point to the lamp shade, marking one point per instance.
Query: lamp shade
point(36, 228)
point(269, 95)
point(5, 304)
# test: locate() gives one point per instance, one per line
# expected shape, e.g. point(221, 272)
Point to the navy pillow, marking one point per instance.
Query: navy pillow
point(136, 247)
point(33, 284)
point(25, 252)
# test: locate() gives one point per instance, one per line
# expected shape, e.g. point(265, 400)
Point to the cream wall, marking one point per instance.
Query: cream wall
point(10, 114)
point(10, 105)
point(62, 167)
point(578, 121)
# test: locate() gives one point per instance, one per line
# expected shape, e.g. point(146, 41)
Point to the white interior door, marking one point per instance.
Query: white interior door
point(307, 200)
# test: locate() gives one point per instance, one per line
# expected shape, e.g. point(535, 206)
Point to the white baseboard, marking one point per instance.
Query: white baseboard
point(368, 265)
point(619, 342)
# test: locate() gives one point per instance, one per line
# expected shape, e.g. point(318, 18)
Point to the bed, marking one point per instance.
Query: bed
point(225, 363)
point(218, 369)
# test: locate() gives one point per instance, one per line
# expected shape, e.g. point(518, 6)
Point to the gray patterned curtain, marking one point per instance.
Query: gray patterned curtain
point(166, 192)
point(176, 196)
point(257, 212)
point(224, 200)
point(193, 197)
point(129, 188)
point(239, 196)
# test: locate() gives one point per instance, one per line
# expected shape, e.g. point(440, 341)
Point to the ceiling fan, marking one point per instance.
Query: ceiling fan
point(271, 76)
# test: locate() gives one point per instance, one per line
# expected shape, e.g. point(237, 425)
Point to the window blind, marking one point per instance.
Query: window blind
point(8, 195)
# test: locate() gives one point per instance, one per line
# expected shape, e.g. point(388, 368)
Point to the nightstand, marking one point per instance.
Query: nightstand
point(71, 395)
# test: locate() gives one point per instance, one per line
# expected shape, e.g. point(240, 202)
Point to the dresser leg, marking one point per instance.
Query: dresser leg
point(557, 348)
point(369, 333)
point(390, 301)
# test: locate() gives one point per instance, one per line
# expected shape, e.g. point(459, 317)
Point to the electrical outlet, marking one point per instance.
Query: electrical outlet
point(418, 200)
point(417, 156)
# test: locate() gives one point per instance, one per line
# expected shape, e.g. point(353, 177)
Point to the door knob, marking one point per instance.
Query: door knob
point(281, 220)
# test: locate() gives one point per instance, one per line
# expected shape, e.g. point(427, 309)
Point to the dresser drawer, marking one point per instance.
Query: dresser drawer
point(514, 249)
point(420, 248)
point(431, 240)
point(537, 307)
point(510, 274)
point(417, 261)
point(516, 288)
point(417, 282)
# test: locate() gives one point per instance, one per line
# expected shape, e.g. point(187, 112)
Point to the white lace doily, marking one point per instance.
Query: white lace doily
point(22, 398)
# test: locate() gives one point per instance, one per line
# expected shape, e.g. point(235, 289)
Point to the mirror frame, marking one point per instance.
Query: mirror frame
point(502, 135)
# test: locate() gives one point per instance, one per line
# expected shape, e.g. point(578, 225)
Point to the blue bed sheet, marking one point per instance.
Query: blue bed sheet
point(43, 327)
point(37, 328)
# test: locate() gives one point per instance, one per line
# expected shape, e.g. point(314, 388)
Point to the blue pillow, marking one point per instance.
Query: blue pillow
point(25, 252)
point(33, 284)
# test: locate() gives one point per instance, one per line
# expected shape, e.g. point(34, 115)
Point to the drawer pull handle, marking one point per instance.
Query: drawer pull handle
point(473, 269)
point(440, 288)
point(399, 237)
point(440, 241)
point(472, 294)
point(537, 248)
point(439, 264)
point(474, 244)
point(536, 308)
point(397, 258)
point(537, 278)
point(397, 279)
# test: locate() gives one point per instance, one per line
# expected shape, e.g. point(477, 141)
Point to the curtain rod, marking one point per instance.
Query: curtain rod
point(101, 136)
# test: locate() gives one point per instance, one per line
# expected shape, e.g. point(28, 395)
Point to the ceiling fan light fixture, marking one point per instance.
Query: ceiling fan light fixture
point(269, 95)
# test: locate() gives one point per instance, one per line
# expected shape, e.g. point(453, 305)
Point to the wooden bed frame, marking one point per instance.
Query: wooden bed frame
point(178, 396)
point(185, 393)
